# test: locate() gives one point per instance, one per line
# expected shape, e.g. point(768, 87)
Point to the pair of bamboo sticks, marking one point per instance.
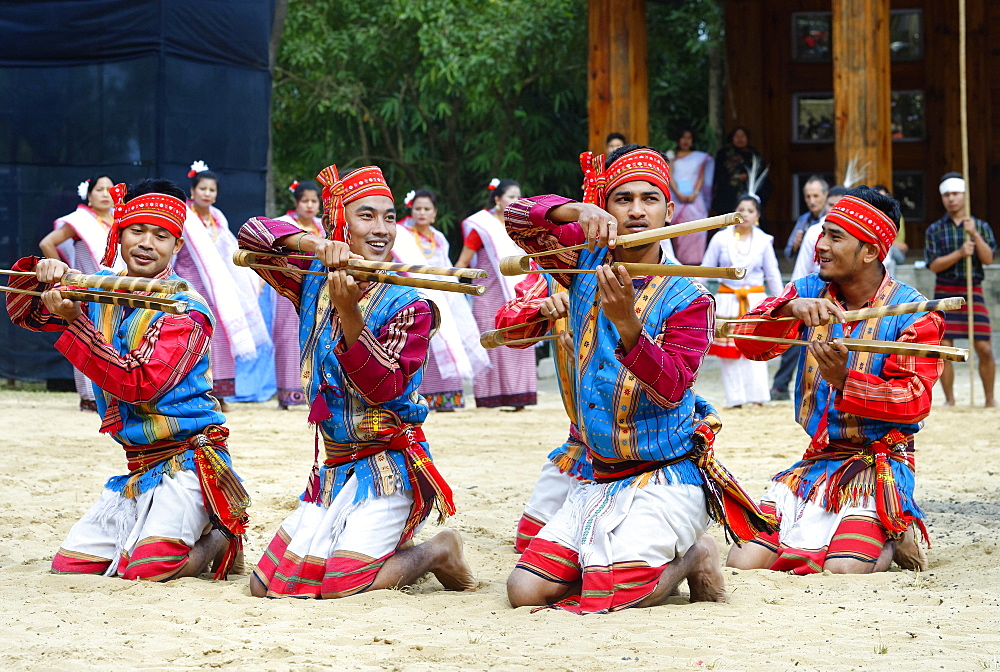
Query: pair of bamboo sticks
point(118, 290)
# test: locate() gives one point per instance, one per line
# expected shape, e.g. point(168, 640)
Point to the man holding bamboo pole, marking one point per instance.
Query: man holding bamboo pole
point(152, 380)
point(848, 505)
point(363, 348)
point(629, 538)
point(948, 243)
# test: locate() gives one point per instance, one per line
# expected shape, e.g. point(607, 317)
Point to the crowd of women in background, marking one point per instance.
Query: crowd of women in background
point(255, 349)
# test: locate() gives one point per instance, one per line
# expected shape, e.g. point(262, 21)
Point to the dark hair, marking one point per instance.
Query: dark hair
point(818, 179)
point(621, 151)
point(427, 193)
point(501, 189)
point(839, 190)
point(204, 175)
point(92, 182)
point(300, 191)
point(754, 199)
point(887, 204)
point(948, 176)
point(615, 136)
point(154, 186)
point(680, 133)
point(882, 187)
point(729, 138)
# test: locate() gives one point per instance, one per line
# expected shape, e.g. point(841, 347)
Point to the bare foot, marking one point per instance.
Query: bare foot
point(453, 571)
point(949, 402)
point(705, 578)
point(909, 554)
point(990, 404)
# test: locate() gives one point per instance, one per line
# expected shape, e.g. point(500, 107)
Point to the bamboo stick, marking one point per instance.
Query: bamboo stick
point(172, 306)
point(369, 276)
point(125, 283)
point(523, 261)
point(667, 270)
point(865, 345)
point(365, 265)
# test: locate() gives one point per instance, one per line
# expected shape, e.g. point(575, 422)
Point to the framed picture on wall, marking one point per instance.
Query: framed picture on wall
point(811, 37)
point(812, 117)
point(906, 34)
point(907, 115)
point(908, 189)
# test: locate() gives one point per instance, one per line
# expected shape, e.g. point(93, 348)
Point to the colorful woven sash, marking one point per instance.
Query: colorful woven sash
point(727, 502)
point(845, 485)
point(742, 295)
point(226, 500)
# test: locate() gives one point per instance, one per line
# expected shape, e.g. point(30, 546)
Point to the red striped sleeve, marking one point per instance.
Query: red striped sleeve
point(26, 311)
point(167, 353)
point(529, 226)
point(666, 366)
point(524, 307)
point(903, 392)
point(769, 308)
point(380, 367)
point(258, 235)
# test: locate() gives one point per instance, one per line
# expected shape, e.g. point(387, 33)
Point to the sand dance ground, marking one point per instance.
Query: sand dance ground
point(54, 464)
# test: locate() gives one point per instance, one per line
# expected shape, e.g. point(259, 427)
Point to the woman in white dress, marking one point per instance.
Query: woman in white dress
point(455, 353)
point(80, 238)
point(743, 246)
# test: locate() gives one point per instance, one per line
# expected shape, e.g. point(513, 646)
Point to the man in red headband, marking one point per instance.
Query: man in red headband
point(848, 505)
point(152, 380)
point(633, 534)
point(363, 349)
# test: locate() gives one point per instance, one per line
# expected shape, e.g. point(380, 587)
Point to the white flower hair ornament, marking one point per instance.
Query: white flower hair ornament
point(197, 167)
point(494, 183)
point(82, 189)
point(408, 200)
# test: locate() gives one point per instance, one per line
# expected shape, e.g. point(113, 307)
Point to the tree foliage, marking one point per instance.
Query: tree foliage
point(446, 94)
point(682, 36)
point(443, 94)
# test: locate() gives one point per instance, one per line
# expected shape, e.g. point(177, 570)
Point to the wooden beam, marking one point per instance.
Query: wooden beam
point(618, 85)
point(861, 87)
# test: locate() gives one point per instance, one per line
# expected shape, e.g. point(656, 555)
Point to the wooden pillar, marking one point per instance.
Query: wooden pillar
point(618, 86)
point(861, 87)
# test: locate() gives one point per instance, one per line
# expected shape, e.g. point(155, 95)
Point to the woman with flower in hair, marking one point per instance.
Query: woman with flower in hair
point(79, 239)
point(746, 246)
point(455, 353)
point(511, 378)
point(206, 261)
point(285, 322)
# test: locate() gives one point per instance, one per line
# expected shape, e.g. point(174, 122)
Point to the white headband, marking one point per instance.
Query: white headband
point(953, 184)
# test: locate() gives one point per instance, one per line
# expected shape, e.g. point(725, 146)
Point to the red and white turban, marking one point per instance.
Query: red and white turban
point(639, 164)
point(865, 222)
point(163, 210)
point(337, 193)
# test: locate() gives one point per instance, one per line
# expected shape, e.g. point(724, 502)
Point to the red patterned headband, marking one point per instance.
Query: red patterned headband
point(639, 164)
point(337, 193)
point(865, 222)
point(156, 209)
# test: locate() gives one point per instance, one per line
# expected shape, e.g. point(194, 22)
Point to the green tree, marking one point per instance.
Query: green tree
point(685, 39)
point(440, 93)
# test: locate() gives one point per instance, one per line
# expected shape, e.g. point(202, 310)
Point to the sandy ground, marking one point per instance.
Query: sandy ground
point(54, 464)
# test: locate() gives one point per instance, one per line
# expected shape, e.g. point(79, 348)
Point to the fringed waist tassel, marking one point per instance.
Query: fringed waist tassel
point(430, 490)
point(727, 503)
point(226, 500)
point(866, 471)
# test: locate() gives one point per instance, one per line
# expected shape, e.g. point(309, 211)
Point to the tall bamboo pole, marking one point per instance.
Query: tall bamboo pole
point(964, 116)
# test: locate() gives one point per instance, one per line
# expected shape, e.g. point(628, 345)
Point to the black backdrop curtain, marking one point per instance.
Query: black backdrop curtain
point(131, 89)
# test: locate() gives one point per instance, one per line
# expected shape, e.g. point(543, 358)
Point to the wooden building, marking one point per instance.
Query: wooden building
point(894, 65)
